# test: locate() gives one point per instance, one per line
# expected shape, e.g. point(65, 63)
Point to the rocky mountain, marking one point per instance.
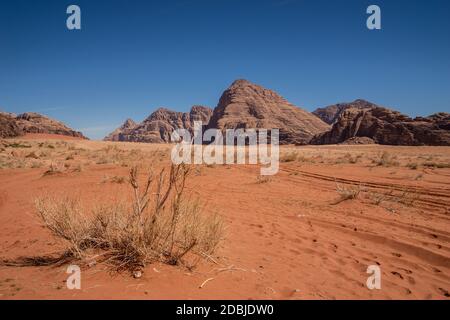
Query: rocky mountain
point(385, 126)
point(246, 105)
point(125, 128)
point(8, 126)
point(158, 127)
point(12, 125)
point(331, 113)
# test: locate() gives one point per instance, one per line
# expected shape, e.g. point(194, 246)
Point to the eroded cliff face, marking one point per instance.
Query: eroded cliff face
point(332, 113)
point(158, 127)
point(12, 125)
point(385, 126)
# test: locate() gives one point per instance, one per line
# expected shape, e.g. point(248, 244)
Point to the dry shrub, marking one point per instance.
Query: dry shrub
point(407, 197)
point(412, 165)
point(436, 165)
point(378, 198)
point(347, 192)
point(387, 160)
point(263, 179)
point(289, 157)
point(54, 169)
point(159, 225)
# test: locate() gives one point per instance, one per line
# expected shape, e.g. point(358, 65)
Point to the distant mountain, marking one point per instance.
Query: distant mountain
point(12, 125)
point(331, 113)
point(245, 105)
point(385, 126)
point(249, 106)
point(158, 127)
point(124, 129)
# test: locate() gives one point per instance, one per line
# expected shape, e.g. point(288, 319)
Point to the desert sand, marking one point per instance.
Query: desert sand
point(290, 236)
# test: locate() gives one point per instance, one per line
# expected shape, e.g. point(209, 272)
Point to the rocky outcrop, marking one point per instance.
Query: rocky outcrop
point(8, 126)
point(331, 113)
point(385, 126)
point(358, 140)
point(158, 127)
point(245, 105)
point(30, 122)
point(125, 128)
point(201, 113)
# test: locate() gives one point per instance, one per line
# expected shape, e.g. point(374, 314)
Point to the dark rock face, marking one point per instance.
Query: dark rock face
point(158, 127)
point(331, 113)
point(8, 126)
point(30, 122)
point(245, 105)
point(201, 113)
point(358, 140)
point(385, 126)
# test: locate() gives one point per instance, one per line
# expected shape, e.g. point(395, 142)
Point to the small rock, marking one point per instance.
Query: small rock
point(137, 274)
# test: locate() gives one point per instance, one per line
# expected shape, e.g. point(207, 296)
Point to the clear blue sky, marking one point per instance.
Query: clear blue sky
point(133, 56)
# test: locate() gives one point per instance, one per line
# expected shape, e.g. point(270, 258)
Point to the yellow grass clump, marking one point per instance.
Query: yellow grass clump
point(160, 224)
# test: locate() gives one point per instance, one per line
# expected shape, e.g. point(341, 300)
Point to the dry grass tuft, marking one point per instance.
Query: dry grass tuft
point(289, 157)
point(347, 192)
point(263, 179)
point(159, 225)
point(387, 160)
point(53, 170)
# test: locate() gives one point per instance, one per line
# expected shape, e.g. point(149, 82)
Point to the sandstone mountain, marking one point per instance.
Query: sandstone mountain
point(331, 113)
point(158, 127)
point(117, 135)
point(8, 126)
point(12, 125)
point(246, 105)
point(385, 126)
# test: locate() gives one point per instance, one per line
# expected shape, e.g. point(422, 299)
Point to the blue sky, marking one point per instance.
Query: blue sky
point(133, 56)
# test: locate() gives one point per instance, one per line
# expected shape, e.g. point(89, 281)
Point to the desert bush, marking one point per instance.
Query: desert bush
point(114, 179)
point(289, 157)
point(53, 169)
point(159, 225)
point(436, 165)
point(347, 192)
point(412, 165)
point(407, 197)
point(36, 164)
point(263, 179)
point(387, 160)
point(18, 145)
point(378, 198)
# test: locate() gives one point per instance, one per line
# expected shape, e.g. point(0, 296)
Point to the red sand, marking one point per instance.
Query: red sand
point(285, 240)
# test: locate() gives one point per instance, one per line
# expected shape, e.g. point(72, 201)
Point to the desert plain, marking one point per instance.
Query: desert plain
point(309, 232)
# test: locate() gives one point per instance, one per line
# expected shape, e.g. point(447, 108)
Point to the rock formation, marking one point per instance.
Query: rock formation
point(331, 113)
point(8, 126)
point(117, 135)
point(158, 127)
point(12, 125)
point(385, 126)
point(249, 106)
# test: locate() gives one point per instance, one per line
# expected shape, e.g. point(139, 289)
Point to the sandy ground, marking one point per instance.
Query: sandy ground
point(288, 237)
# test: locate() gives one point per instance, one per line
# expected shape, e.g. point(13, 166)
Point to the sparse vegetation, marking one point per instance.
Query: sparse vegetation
point(159, 225)
point(263, 179)
point(347, 192)
point(412, 165)
point(387, 160)
point(436, 165)
point(53, 170)
point(18, 145)
point(289, 157)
